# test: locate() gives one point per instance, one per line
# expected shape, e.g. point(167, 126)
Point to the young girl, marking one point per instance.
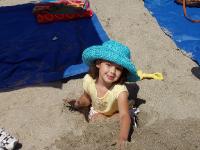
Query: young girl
point(104, 90)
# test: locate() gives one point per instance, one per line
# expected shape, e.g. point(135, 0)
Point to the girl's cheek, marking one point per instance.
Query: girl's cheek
point(107, 67)
point(119, 73)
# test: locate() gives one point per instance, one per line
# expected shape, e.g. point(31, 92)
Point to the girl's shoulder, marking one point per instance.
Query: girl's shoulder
point(88, 79)
point(88, 83)
point(119, 88)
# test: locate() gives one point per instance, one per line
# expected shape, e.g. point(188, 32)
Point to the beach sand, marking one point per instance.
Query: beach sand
point(169, 115)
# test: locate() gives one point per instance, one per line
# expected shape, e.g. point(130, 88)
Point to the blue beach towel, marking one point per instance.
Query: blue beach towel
point(171, 19)
point(32, 53)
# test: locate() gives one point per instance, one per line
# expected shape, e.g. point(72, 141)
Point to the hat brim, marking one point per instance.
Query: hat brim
point(98, 52)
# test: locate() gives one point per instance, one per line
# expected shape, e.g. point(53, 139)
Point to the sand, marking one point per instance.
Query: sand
point(169, 110)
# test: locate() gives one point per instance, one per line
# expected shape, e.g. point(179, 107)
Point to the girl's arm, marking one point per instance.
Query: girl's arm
point(124, 118)
point(83, 101)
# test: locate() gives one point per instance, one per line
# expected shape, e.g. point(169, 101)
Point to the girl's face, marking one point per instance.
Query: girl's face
point(109, 72)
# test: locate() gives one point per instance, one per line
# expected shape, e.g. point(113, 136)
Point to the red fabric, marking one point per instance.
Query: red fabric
point(62, 10)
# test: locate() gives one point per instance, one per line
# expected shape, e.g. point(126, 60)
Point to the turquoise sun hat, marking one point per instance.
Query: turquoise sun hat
point(112, 51)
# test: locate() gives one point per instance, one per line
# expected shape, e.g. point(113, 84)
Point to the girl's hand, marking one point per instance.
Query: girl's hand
point(122, 144)
point(72, 104)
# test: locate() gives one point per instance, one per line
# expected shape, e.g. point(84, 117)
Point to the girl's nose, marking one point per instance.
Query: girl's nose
point(112, 69)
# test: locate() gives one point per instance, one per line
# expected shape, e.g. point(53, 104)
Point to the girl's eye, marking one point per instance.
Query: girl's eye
point(119, 68)
point(108, 64)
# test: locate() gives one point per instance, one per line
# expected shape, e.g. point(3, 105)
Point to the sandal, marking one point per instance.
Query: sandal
point(134, 116)
point(7, 141)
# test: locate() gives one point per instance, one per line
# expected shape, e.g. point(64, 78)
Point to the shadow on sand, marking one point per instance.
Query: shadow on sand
point(55, 84)
point(133, 89)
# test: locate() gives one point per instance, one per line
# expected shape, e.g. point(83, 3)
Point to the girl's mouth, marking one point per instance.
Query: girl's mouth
point(110, 77)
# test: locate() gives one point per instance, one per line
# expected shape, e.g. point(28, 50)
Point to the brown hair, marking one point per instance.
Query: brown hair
point(94, 72)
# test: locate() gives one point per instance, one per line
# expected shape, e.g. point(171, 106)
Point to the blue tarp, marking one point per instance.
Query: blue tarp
point(170, 17)
point(32, 53)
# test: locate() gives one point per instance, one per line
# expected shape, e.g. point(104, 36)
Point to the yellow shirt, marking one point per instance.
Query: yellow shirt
point(107, 104)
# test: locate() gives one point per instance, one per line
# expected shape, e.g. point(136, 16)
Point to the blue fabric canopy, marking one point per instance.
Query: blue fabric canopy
point(32, 53)
point(170, 17)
